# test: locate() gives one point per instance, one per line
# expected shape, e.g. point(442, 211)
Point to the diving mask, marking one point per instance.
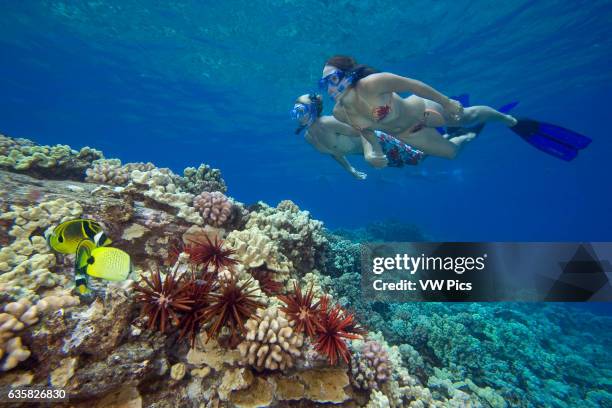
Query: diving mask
point(302, 110)
point(339, 79)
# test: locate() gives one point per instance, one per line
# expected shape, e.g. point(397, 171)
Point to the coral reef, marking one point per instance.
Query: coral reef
point(110, 171)
point(59, 162)
point(254, 249)
point(204, 178)
point(158, 185)
point(27, 261)
point(370, 366)
point(271, 341)
point(300, 238)
point(390, 230)
point(260, 312)
point(215, 208)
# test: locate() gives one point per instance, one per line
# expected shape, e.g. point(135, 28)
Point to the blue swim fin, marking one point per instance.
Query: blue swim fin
point(508, 107)
point(552, 139)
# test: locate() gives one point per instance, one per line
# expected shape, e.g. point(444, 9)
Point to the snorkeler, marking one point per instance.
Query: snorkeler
point(367, 100)
point(330, 136)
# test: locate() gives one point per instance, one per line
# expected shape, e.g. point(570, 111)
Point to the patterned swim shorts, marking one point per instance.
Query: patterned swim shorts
point(398, 153)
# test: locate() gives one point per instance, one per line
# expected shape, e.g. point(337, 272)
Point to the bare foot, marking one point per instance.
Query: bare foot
point(464, 138)
point(511, 120)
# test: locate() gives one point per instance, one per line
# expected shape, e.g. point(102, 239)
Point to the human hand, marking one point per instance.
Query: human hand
point(454, 109)
point(359, 175)
point(377, 160)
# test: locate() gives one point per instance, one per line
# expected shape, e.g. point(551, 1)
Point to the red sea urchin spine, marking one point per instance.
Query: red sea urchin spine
point(231, 307)
point(300, 309)
point(210, 253)
point(163, 300)
point(266, 281)
point(336, 326)
point(199, 291)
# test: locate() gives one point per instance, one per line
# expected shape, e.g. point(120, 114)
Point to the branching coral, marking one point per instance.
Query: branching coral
point(158, 185)
point(19, 315)
point(233, 305)
point(301, 310)
point(163, 299)
point(255, 249)
point(27, 264)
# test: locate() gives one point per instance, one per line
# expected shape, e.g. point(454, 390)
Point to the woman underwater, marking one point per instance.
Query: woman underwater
point(330, 136)
point(368, 100)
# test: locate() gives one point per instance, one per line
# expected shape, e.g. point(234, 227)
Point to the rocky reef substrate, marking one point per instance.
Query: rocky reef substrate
point(235, 305)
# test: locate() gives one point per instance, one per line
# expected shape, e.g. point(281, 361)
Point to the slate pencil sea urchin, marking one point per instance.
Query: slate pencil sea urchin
point(300, 309)
point(231, 307)
point(163, 300)
point(198, 290)
point(336, 325)
point(211, 253)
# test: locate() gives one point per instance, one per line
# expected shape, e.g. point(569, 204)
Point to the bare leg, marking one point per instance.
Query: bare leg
point(475, 115)
point(472, 116)
point(431, 142)
point(463, 139)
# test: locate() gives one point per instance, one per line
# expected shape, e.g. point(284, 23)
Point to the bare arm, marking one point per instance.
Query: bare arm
point(347, 166)
point(385, 82)
point(372, 151)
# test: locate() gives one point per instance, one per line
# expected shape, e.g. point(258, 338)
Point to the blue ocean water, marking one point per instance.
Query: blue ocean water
point(179, 83)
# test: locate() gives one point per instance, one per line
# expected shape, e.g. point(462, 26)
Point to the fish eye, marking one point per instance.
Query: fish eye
point(60, 239)
point(91, 260)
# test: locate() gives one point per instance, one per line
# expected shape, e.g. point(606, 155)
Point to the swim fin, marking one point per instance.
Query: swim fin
point(552, 139)
point(508, 107)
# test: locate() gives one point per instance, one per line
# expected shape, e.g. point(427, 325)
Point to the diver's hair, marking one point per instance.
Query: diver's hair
point(350, 65)
point(317, 99)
